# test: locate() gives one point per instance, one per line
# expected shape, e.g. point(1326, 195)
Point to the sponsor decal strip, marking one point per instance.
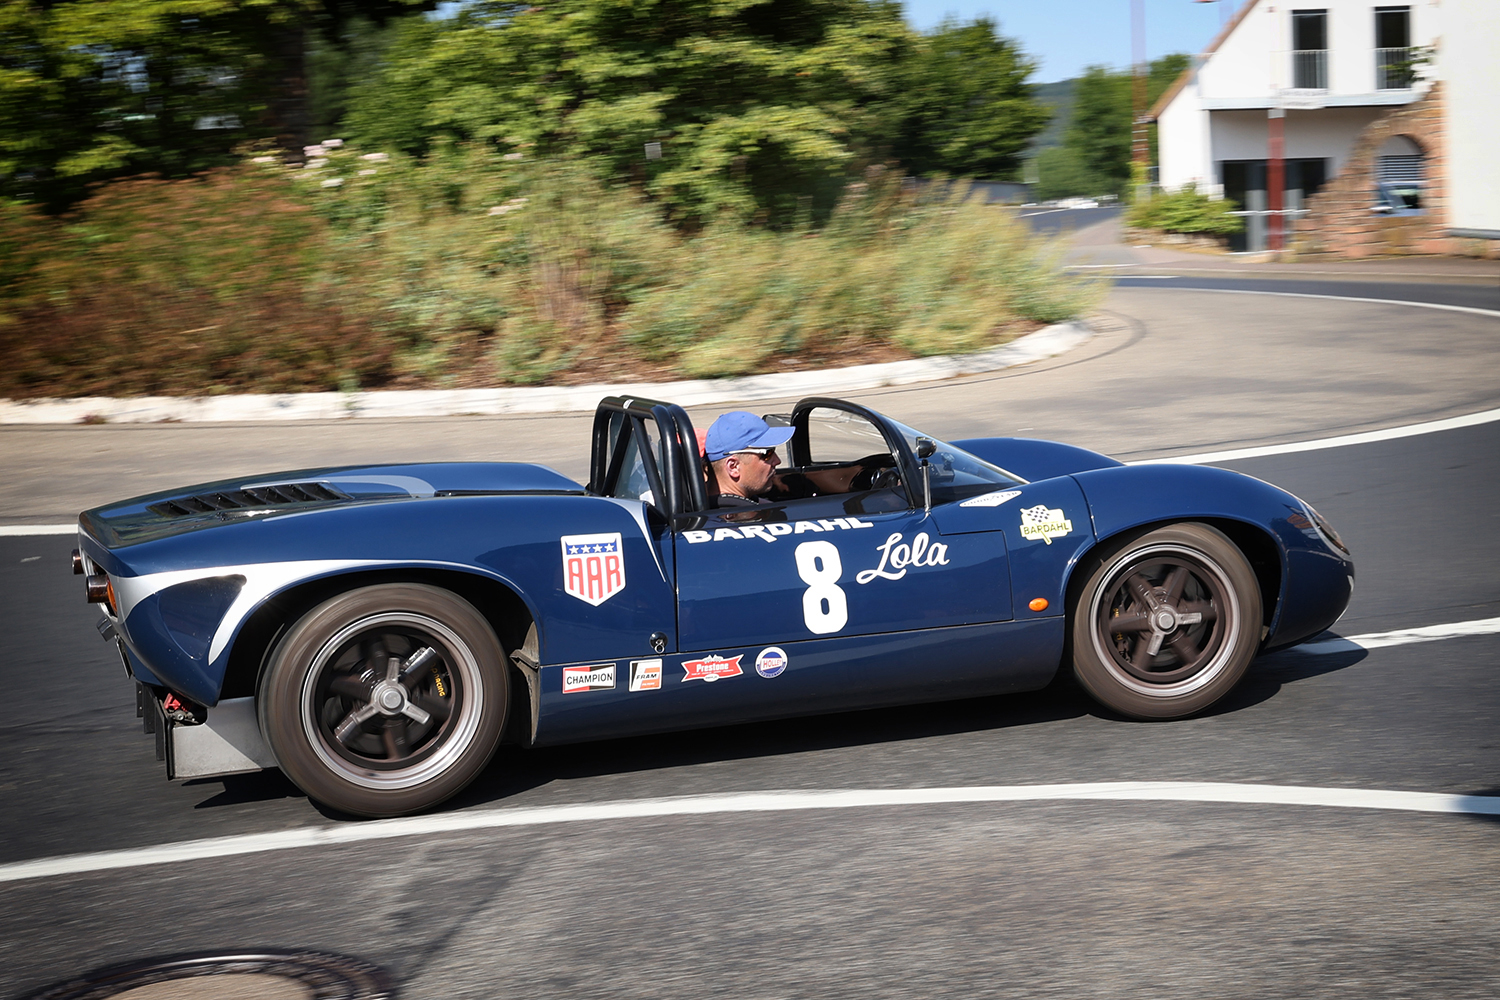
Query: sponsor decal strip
point(596, 678)
point(745, 802)
point(1043, 522)
point(711, 668)
point(776, 529)
point(645, 675)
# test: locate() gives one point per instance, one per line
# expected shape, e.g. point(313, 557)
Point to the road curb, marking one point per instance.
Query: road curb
point(1045, 343)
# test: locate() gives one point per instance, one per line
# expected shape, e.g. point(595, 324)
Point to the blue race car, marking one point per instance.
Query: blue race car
point(376, 632)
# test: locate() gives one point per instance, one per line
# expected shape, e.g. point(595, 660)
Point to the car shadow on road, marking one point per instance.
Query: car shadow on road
point(1266, 676)
point(515, 770)
point(240, 789)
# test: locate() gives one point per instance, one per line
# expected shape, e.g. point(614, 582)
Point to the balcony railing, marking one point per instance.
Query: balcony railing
point(1310, 69)
point(1393, 69)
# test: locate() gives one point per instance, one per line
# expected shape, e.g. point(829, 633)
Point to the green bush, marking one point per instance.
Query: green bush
point(931, 278)
point(468, 268)
point(1186, 211)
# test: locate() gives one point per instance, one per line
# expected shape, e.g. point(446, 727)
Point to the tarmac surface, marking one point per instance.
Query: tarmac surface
point(1067, 899)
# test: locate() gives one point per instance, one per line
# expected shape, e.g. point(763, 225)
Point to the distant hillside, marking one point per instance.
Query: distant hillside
point(1059, 97)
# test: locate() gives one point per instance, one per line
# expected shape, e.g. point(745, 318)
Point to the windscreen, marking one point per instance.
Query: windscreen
point(956, 474)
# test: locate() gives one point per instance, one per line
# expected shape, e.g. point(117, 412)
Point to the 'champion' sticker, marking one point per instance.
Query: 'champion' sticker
point(596, 678)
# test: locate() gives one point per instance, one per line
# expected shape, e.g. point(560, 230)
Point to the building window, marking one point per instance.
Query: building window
point(1310, 49)
point(1400, 177)
point(1393, 51)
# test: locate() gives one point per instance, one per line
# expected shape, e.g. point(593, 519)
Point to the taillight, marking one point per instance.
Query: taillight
point(101, 590)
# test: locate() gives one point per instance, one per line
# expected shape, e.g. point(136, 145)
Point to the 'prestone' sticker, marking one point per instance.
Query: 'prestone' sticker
point(711, 668)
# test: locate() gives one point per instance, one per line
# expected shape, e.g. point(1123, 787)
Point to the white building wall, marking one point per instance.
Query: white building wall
point(1241, 67)
point(1468, 63)
point(1183, 148)
point(1329, 132)
point(1221, 113)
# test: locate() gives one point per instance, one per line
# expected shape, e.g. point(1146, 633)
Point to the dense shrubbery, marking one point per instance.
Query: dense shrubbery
point(1186, 211)
point(467, 268)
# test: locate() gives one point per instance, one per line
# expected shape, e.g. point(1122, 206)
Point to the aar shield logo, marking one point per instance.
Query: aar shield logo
point(593, 566)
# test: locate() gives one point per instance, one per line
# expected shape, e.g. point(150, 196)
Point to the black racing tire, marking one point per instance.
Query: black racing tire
point(363, 720)
point(1185, 590)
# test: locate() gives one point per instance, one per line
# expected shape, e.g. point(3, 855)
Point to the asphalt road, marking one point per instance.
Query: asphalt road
point(1065, 899)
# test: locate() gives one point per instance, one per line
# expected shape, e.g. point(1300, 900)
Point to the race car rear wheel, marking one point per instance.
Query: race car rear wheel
point(385, 700)
point(1166, 622)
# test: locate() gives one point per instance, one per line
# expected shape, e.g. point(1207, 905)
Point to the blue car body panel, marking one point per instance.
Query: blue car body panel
point(645, 621)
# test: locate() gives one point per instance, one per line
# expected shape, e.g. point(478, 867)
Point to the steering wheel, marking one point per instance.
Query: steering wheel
point(877, 472)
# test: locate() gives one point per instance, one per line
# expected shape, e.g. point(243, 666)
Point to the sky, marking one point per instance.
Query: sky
point(1064, 36)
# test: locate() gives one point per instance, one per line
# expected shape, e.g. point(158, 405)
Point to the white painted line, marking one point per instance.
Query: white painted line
point(1401, 637)
point(742, 802)
point(1203, 458)
point(1343, 440)
point(1342, 298)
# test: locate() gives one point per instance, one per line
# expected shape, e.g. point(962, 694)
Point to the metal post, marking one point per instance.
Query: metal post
point(1140, 146)
point(1275, 177)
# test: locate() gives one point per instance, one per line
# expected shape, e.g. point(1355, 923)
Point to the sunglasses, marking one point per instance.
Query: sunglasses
point(765, 453)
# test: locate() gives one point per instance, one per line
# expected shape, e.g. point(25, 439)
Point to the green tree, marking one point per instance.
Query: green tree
point(1061, 174)
point(967, 107)
point(758, 106)
point(1100, 132)
point(92, 90)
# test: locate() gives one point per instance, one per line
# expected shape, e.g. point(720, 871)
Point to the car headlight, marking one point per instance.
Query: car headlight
point(1325, 529)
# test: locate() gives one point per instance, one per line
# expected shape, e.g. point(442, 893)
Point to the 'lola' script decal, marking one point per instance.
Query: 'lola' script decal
point(897, 555)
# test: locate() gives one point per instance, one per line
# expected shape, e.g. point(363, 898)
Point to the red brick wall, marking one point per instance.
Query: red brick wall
point(1339, 220)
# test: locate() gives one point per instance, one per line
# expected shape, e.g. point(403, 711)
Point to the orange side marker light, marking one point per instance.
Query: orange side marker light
point(1038, 604)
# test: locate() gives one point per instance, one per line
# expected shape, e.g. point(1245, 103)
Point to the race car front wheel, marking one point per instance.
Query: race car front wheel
point(385, 700)
point(1166, 623)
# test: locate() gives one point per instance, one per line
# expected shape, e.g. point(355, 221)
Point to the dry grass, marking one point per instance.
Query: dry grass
point(466, 271)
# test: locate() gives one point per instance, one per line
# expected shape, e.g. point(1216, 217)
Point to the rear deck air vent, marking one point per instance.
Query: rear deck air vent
point(256, 497)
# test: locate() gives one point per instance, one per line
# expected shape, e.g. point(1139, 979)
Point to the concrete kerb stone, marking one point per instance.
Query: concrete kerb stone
point(1045, 343)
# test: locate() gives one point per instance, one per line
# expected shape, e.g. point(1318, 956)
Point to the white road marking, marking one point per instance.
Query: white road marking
point(742, 802)
point(1401, 637)
point(1366, 437)
point(1342, 441)
point(1341, 298)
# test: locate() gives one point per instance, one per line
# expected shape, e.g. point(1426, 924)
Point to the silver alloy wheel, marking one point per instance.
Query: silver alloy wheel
point(1201, 612)
point(384, 698)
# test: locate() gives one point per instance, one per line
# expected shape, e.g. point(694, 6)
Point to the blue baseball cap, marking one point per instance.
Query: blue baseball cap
point(739, 430)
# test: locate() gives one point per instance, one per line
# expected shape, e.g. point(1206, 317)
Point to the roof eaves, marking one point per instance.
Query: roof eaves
point(1170, 94)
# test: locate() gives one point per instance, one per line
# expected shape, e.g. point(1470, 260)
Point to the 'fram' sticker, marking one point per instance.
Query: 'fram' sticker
point(645, 675)
point(711, 668)
point(771, 661)
point(991, 499)
point(596, 678)
point(593, 566)
point(1043, 522)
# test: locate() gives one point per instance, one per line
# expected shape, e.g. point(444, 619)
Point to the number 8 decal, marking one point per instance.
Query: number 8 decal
point(819, 566)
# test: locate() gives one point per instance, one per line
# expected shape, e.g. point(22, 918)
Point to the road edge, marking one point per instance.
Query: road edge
point(1050, 341)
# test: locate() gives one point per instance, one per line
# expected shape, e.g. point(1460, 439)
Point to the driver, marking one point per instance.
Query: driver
point(741, 449)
